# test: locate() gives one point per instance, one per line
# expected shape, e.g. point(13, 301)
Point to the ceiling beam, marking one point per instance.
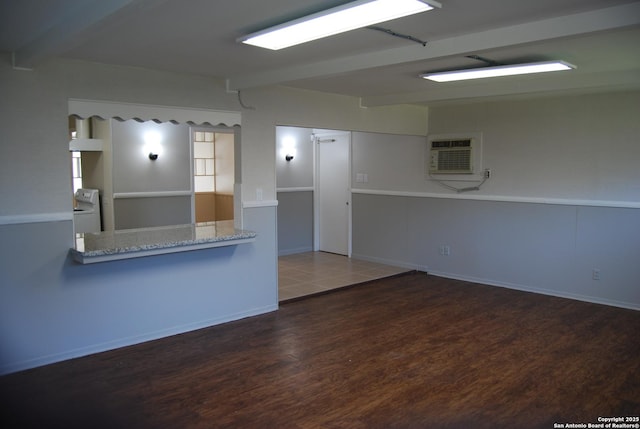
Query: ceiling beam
point(553, 28)
point(66, 29)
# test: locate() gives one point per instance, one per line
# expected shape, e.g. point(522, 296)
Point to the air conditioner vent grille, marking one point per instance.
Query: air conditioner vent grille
point(454, 160)
point(451, 156)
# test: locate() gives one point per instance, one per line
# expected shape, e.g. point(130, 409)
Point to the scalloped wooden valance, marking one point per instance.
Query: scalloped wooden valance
point(146, 112)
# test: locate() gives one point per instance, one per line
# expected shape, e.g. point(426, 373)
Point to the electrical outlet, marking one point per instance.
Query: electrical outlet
point(595, 274)
point(445, 250)
point(487, 173)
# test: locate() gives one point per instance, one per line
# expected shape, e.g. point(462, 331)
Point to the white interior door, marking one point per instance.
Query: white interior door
point(333, 193)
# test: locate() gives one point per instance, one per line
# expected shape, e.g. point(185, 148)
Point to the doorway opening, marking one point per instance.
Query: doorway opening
point(313, 174)
point(213, 173)
point(313, 169)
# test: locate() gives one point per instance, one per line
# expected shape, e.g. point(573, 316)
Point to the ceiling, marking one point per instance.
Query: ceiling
point(600, 37)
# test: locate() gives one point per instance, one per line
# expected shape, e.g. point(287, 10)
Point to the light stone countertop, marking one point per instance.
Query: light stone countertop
point(135, 243)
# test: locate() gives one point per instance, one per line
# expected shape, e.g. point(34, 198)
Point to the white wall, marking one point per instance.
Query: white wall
point(34, 120)
point(287, 106)
point(134, 172)
point(295, 222)
point(294, 181)
point(545, 248)
point(297, 173)
point(563, 199)
point(52, 308)
point(391, 162)
point(582, 147)
point(575, 148)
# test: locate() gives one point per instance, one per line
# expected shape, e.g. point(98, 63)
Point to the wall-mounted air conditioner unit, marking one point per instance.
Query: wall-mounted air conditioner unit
point(451, 156)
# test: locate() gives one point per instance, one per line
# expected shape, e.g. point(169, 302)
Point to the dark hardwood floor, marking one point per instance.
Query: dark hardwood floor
point(412, 351)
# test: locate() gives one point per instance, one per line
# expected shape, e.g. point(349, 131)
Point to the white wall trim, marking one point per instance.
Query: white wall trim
point(504, 198)
point(549, 292)
point(36, 218)
point(163, 194)
point(300, 189)
point(256, 204)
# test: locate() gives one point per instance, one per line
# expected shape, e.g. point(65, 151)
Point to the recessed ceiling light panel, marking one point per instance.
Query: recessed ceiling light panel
point(497, 71)
point(350, 16)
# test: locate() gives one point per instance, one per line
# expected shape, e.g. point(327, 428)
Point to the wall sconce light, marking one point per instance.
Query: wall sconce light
point(152, 147)
point(288, 148)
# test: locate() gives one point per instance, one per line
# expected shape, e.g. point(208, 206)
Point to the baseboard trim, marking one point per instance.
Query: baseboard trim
point(392, 262)
point(130, 341)
point(514, 286)
point(549, 292)
point(295, 251)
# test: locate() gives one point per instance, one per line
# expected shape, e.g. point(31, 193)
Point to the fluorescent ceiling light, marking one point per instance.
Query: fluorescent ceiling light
point(483, 72)
point(350, 16)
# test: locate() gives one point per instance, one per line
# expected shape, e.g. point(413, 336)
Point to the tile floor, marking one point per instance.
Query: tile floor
point(313, 272)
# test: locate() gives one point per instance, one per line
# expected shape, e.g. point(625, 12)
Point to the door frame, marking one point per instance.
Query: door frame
point(215, 129)
point(319, 134)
